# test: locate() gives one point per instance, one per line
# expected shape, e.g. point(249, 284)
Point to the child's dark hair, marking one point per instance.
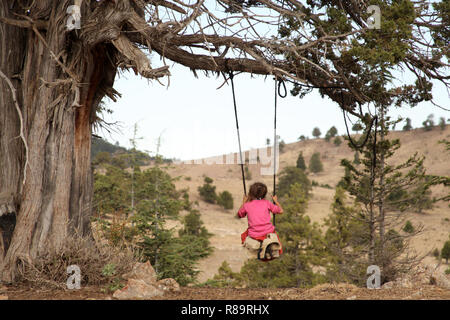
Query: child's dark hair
point(258, 190)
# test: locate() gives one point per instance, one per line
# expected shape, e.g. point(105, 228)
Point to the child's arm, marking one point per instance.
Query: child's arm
point(275, 199)
point(241, 213)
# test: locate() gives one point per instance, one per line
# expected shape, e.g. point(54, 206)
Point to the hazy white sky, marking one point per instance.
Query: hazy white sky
point(196, 120)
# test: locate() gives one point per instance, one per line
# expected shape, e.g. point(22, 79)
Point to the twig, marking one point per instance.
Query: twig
point(19, 112)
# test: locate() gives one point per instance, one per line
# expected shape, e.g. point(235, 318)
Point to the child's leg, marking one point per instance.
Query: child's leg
point(252, 247)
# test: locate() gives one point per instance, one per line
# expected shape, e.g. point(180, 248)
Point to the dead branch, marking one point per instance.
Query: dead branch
point(19, 113)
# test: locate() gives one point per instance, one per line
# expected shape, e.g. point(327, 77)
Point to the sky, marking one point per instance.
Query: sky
point(195, 119)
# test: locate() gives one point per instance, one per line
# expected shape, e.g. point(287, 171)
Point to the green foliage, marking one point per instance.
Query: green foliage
point(100, 145)
point(345, 240)
point(156, 199)
point(193, 225)
point(225, 199)
point(442, 123)
point(331, 133)
point(225, 278)
point(316, 132)
point(102, 158)
point(436, 253)
point(356, 158)
point(301, 161)
point(337, 141)
point(385, 192)
point(409, 228)
point(112, 191)
point(155, 189)
point(109, 270)
point(428, 124)
point(172, 257)
point(289, 176)
point(445, 251)
point(208, 191)
point(315, 164)
point(406, 186)
point(357, 127)
point(281, 146)
point(407, 126)
point(247, 173)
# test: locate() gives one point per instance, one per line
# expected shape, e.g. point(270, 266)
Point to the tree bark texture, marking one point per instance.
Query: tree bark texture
point(54, 196)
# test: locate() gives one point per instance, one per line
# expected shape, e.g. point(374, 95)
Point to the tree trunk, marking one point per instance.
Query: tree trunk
point(46, 178)
point(382, 192)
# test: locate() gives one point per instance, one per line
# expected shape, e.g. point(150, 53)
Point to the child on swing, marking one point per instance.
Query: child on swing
point(257, 209)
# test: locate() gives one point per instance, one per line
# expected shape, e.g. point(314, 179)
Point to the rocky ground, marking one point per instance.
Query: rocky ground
point(322, 292)
point(425, 283)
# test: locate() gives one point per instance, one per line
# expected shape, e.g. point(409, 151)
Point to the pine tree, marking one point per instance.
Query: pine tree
point(408, 125)
point(381, 188)
point(357, 127)
point(442, 123)
point(208, 191)
point(172, 257)
point(445, 252)
point(409, 228)
point(289, 176)
point(428, 124)
point(345, 240)
point(337, 141)
point(356, 158)
point(301, 161)
point(331, 133)
point(315, 164)
point(225, 199)
point(316, 132)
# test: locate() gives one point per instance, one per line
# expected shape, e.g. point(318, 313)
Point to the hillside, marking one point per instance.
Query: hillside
point(226, 229)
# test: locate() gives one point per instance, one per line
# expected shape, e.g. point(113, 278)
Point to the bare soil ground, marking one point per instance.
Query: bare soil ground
point(321, 292)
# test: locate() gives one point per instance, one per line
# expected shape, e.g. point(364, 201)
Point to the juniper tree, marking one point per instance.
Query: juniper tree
point(315, 164)
point(289, 176)
point(428, 124)
point(442, 123)
point(331, 133)
point(337, 141)
point(445, 252)
point(408, 125)
point(208, 191)
point(301, 161)
point(225, 199)
point(316, 132)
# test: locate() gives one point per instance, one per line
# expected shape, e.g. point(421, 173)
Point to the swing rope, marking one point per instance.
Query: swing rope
point(277, 93)
point(278, 84)
point(238, 134)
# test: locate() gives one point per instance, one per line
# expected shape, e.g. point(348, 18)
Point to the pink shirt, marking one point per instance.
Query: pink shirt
point(258, 215)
